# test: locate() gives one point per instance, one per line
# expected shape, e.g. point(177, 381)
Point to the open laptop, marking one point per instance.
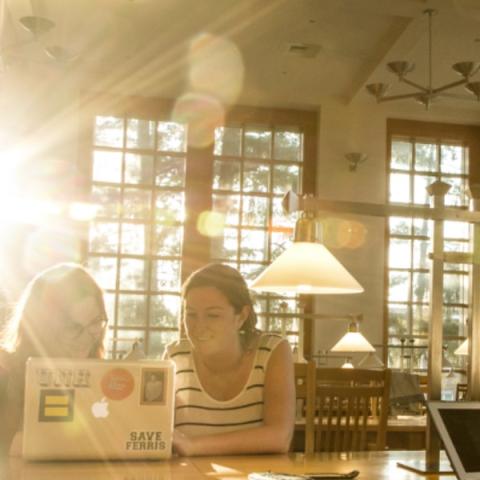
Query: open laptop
point(458, 425)
point(88, 409)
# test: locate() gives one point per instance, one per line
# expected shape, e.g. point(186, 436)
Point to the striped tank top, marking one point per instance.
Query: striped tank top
point(197, 413)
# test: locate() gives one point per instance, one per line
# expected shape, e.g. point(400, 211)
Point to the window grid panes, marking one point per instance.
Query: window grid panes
point(415, 164)
point(138, 241)
point(254, 166)
point(135, 241)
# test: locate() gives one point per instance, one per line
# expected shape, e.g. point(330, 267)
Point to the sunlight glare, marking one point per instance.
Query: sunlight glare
point(26, 210)
point(8, 182)
point(223, 470)
point(43, 247)
point(82, 211)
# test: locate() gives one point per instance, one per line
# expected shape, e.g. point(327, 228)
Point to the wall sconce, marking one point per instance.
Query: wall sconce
point(354, 158)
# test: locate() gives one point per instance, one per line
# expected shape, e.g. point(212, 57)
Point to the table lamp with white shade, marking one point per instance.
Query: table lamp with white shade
point(306, 267)
point(353, 341)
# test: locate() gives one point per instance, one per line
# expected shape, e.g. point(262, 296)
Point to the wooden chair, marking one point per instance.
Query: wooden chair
point(348, 402)
point(305, 397)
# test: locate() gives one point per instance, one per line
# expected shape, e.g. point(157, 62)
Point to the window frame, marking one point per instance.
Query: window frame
point(199, 167)
point(466, 135)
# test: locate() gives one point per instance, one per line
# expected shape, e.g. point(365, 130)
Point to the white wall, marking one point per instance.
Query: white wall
point(362, 128)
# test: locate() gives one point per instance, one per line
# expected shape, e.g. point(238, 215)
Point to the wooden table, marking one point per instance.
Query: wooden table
point(403, 433)
point(372, 466)
point(177, 468)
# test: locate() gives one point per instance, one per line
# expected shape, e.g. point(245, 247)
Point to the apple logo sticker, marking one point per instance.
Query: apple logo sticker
point(100, 408)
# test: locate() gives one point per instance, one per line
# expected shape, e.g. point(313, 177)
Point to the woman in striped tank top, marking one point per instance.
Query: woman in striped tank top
point(234, 385)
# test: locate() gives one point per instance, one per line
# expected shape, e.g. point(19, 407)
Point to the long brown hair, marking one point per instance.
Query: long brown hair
point(45, 302)
point(230, 282)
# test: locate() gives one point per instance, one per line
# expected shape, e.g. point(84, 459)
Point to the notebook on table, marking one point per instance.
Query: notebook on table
point(88, 409)
point(458, 425)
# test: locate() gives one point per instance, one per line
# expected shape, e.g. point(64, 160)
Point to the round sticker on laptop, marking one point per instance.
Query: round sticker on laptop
point(117, 384)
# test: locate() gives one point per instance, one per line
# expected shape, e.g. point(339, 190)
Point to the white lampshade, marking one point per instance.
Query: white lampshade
point(353, 342)
point(371, 361)
point(462, 349)
point(306, 267)
point(347, 364)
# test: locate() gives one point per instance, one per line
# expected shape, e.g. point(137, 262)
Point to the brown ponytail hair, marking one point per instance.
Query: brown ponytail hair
point(230, 282)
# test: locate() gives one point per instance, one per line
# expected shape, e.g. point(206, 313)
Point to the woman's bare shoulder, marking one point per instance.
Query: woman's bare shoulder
point(269, 340)
point(177, 347)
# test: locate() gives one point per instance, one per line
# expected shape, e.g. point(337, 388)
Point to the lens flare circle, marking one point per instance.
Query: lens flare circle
point(202, 113)
point(216, 67)
point(341, 233)
point(211, 224)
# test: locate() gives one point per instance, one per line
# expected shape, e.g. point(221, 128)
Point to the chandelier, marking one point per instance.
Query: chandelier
point(425, 94)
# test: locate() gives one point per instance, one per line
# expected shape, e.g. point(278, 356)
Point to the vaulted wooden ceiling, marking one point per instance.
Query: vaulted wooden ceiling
point(294, 53)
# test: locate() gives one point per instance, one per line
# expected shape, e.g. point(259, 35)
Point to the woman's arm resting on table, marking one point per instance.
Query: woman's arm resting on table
point(274, 436)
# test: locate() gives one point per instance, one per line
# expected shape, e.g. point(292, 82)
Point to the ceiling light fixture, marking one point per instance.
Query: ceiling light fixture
point(425, 94)
point(59, 54)
point(36, 25)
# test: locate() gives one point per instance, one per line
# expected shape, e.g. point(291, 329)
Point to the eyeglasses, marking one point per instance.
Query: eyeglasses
point(95, 327)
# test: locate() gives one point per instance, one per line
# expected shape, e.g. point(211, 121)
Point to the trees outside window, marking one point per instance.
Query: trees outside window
point(164, 207)
point(414, 163)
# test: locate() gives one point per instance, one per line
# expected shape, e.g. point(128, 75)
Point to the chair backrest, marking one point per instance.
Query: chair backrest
point(348, 404)
point(305, 396)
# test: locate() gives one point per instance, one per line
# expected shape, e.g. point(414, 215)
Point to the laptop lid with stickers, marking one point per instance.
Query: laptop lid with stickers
point(81, 409)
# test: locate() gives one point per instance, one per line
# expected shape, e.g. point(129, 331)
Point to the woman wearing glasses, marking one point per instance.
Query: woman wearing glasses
point(61, 313)
point(234, 385)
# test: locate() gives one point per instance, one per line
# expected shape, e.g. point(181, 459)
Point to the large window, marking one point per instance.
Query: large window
point(415, 162)
point(149, 184)
point(135, 242)
point(253, 168)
